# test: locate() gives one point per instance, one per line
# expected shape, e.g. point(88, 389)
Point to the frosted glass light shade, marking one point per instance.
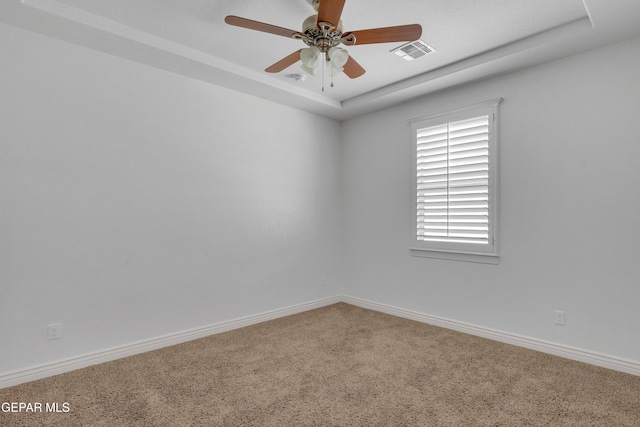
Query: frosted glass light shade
point(310, 58)
point(338, 57)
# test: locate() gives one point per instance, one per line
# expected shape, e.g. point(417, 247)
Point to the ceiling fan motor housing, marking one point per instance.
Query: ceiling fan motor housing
point(323, 35)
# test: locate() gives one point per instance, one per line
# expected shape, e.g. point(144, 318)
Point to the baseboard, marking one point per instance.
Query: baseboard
point(581, 355)
point(42, 371)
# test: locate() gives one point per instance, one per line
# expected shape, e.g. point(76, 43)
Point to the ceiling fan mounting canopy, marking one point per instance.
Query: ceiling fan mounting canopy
point(325, 32)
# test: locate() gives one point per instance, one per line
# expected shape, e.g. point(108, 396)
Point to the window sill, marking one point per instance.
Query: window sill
point(456, 256)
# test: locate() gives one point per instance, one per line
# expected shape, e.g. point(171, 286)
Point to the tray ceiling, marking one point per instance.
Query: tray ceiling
point(473, 39)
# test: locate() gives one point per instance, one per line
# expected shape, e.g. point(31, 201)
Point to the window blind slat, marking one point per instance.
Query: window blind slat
point(469, 204)
point(433, 141)
point(482, 189)
point(467, 123)
point(450, 239)
point(475, 160)
point(433, 180)
point(470, 175)
point(459, 144)
point(442, 165)
point(478, 153)
point(428, 159)
point(468, 168)
point(431, 151)
point(466, 135)
point(434, 130)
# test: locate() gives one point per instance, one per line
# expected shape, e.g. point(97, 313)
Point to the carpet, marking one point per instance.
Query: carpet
point(339, 365)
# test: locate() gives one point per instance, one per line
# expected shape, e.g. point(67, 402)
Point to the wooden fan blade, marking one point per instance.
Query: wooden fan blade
point(352, 69)
point(261, 26)
point(402, 33)
point(330, 11)
point(284, 62)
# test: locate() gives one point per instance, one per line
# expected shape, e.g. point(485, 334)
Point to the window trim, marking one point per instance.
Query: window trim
point(448, 250)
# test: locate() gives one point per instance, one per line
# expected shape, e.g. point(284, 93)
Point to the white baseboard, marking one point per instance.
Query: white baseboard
point(590, 357)
point(42, 371)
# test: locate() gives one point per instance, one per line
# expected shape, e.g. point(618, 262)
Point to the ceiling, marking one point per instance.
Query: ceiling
point(474, 39)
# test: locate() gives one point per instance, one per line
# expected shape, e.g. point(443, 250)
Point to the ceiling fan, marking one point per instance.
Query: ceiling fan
point(323, 33)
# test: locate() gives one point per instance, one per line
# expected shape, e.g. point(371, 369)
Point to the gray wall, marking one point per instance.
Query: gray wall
point(570, 207)
point(137, 203)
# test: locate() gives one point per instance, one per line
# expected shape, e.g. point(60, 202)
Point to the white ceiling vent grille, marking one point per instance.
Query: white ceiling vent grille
point(413, 50)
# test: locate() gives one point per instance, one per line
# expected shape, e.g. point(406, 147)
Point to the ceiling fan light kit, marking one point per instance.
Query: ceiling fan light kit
point(323, 33)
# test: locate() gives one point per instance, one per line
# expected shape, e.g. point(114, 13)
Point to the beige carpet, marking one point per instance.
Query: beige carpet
point(336, 366)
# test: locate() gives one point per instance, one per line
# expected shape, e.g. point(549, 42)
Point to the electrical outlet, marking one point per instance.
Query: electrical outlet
point(54, 331)
point(559, 317)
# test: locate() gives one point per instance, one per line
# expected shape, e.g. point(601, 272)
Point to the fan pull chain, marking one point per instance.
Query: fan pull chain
point(323, 67)
point(330, 68)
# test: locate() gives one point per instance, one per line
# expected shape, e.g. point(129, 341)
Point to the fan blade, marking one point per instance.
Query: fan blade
point(330, 11)
point(261, 26)
point(284, 62)
point(402, 33)
point(352, 69)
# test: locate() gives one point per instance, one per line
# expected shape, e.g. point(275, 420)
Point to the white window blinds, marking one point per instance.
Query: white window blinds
point(453, 181)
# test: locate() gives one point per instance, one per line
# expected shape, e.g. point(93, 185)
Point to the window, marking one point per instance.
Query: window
point(455, 184)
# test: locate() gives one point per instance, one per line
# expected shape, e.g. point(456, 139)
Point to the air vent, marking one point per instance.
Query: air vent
point(413, 50)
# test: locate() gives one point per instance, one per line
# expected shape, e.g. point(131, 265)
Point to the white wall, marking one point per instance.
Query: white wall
point(570, 207)
point(136, 203)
